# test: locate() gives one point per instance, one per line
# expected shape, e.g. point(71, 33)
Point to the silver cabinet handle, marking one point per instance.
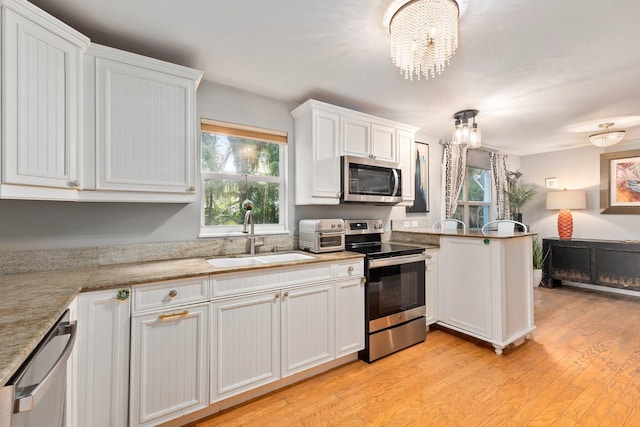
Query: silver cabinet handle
point(34, 393)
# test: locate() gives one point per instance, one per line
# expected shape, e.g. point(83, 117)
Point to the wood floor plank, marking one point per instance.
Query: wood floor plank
point(581, 368)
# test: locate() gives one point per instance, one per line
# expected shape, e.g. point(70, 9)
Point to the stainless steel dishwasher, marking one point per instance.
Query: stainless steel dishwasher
point(35, 395)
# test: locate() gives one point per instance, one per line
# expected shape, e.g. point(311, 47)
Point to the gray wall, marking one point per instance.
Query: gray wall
point(27, 225)
point(576, 169)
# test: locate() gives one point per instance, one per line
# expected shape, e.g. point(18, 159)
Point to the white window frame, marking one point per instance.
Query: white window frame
point(236, 230)
point(466, 204)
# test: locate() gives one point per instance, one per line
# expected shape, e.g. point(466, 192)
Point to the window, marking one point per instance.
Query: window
point(238, 163)
point(475, 198)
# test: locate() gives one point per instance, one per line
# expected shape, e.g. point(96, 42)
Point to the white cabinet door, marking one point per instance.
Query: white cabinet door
point(308, 327)
point(349, 316)
point(432, 284)
point(245, 343)
point(144, 127)
point(41, 106)
point(383, 142)
point(317, 151)
point(102, 358)
point(406, 157)
point(465, 296)
point(169, 364)
point(356, 137)
point(325, 164)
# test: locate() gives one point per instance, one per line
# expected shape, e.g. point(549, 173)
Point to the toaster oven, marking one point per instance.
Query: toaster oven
point(321, 235)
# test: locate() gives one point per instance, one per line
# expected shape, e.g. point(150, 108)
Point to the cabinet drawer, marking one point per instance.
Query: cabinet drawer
point(260, 280)
point(349, 269)
point(170, 293)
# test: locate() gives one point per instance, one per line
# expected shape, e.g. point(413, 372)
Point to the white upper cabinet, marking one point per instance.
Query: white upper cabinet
point(406, 158)
point(317, 151)
point(140, 127)
point(324, 132)
point(356, 136)
point(41, 72)
point(383, 143)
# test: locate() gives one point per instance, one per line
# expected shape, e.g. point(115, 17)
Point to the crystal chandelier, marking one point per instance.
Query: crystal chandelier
point(424, 36)
point(465, 132)
point(607, 137)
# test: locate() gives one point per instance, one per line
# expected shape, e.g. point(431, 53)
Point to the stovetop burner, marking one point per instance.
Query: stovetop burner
point(365, 237)
point(382, 250)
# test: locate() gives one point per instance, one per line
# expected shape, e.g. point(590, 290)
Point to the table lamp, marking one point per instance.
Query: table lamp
point(565, 201)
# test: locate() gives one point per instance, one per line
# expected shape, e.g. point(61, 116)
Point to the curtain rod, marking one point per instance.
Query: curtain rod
point(485, 150)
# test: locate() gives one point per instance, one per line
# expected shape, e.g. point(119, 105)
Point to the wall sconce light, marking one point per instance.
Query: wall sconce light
point(565, 201)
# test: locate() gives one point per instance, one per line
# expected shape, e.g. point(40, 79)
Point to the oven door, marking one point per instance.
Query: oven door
point(395, 291)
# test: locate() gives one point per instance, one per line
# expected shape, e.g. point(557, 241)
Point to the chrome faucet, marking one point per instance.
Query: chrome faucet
point(250, 220)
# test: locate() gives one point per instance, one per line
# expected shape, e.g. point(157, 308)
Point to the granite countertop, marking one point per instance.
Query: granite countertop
point(460, 233)
point(31, 303)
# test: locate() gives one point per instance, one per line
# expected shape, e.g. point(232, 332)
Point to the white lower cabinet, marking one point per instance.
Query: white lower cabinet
point(245, 343)
point(270, 332)
point(486, 288)
point(432, 285)
point(101, 359)
point(169, 354)
point(308, 327)
point(349, 316)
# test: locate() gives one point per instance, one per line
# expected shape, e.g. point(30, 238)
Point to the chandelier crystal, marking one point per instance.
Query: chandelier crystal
point(424, 36)
point(607, 137)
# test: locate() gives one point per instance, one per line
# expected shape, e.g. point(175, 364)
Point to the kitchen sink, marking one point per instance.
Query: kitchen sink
point(257, 260)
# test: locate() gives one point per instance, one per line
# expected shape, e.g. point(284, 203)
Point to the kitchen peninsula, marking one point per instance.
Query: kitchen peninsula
point(485, 281)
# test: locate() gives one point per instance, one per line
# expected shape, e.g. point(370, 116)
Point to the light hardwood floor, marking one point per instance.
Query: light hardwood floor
point(582, 367)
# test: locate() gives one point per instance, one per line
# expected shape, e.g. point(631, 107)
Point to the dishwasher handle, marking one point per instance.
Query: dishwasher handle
point(28, 397)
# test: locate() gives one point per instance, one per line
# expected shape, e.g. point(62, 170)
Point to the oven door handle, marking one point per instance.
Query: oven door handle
point(396, 260)
point(330, 233)
point(395, 182)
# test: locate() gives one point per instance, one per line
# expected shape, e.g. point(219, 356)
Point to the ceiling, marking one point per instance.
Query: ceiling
point(543, 73)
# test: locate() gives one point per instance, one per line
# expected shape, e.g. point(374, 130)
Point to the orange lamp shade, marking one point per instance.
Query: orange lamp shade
point(565, 201)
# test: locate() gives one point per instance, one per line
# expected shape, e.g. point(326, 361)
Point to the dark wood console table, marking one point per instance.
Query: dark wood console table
point(611, 263)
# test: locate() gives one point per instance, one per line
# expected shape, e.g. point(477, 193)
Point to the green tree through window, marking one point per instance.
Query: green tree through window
point(238, 168)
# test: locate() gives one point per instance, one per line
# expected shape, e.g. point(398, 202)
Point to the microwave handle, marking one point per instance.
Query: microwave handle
point(395, 181)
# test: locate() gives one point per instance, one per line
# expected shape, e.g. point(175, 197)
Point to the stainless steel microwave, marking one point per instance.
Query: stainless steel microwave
point(367, 180)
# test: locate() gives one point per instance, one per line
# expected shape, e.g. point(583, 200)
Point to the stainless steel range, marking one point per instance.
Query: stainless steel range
point(395, 291)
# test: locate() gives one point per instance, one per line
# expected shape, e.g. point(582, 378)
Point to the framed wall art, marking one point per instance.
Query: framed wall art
point(421, 178)
point(620, 182)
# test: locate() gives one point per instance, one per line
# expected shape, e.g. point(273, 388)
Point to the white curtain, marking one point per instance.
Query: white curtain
point(501, 183)
point(454, 168)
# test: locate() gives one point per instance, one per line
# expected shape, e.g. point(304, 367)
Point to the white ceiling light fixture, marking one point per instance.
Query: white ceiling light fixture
point(424, 36)
point(607, 137)
point(465, 132)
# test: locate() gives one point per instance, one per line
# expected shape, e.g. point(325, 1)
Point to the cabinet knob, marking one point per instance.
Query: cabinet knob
point(429, 257)
point(339, 194)
point(173, 293)
point(277, 297)
point(74, 183)
point(350, 269)
point(122, 295)
point(191, 189)
point(286, 294)
point(363, 280)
